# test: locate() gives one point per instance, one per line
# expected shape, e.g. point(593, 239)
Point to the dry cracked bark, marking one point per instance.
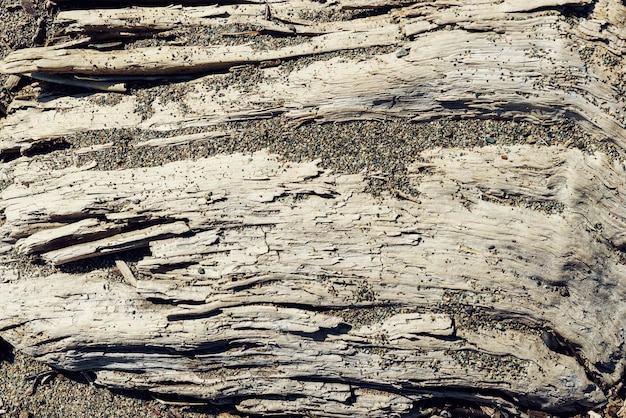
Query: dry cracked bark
point(283, 287)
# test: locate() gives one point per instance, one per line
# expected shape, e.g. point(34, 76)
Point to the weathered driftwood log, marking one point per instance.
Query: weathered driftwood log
point(469, 60)
point(283, 287)
point(285, 280)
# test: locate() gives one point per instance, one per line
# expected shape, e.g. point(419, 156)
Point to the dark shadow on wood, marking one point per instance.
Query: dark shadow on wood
point(6, 352)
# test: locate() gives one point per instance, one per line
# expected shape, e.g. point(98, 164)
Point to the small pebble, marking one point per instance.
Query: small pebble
point(402, 53)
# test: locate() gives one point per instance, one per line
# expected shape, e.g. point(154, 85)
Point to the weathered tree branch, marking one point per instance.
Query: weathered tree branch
point(270, 241)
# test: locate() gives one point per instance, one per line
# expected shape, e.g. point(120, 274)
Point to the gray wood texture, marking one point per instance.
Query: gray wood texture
point(283, 287)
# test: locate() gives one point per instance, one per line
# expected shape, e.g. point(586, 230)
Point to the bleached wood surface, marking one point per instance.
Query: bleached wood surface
point(282, 287)
point(275, 258)
point(469, 60)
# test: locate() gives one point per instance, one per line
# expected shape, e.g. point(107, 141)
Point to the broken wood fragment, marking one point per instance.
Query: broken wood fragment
point(121, 242)
point(179, 60)
point(519, 73)
point(126, 272)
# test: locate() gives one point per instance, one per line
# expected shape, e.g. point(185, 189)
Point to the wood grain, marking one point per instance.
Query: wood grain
point(278, 259)
point(283, 287)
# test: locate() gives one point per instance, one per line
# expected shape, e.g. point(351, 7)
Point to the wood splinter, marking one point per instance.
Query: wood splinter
point(126, 272)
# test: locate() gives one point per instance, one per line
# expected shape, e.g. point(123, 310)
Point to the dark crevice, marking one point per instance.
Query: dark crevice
point(352, 398)
point(6, 352)
point(436, 395)
point(249, 285)
point(459, 395)
point(141, 223)
point(323, 333)
point(14, 325)
point(330, 195)
point(8, 155)
point(50, 341)
point(568, 10)
point(375, 11)
point(213, 312)
point(75, 217)
point(581, 11)
point(555, 342)
point(104, 261)
point(335, 308)
point(165, 268)
point(205, 348)
point(607, 367)
point(174, 302)
point(194, 315)
point(454, 105)
point(446, 338)
point(482, 30)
